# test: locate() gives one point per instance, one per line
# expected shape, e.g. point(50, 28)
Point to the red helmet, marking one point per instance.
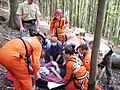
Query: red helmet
point(58, 12)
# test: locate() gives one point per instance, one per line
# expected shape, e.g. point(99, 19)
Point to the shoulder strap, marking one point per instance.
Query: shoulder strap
point(77, 65)
point(25, 48)
point(27, 58)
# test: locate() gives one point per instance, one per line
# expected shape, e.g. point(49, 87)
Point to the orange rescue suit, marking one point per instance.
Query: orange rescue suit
point(87, 59)
point(12, 56)
point(70, 68)
point(77, 41)
point(86, 63)
point(57, 27)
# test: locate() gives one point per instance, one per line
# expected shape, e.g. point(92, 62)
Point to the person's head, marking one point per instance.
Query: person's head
point(58, 13)
point(67, 44)
point(83, 48)
point(30, 1)
point(53, 41)
point(67, 52)
point(46, 44)
point(91, 44)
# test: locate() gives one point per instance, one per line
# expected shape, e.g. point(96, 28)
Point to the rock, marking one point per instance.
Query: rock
point(115, 60)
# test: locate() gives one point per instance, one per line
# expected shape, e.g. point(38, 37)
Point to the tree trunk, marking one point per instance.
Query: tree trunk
point(78, 14)
point(70, 13)
point(96, 44)
point(63, 7)
point(105, 22)
point(13, 21)
point(50, 1)
point(74, 14)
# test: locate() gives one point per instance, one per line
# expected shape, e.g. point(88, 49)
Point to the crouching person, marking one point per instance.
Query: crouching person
point(76, 75)
point(13, 58)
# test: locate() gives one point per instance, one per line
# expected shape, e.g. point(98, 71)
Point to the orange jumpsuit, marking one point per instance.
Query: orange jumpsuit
point(77, 41)
point(86, 62)
point(57, 27)
point(87, 59)
point(81, 72)
point(10, 59)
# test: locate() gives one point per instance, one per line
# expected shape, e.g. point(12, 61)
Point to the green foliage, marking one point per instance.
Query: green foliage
point(85, 16)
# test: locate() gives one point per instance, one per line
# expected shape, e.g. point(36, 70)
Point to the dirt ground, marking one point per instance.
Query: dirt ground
point(7, 34)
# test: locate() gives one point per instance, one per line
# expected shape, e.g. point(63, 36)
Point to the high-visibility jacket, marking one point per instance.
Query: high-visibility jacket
point(12, 56)
point(81, 75)
point(57, 26)
point(87, 59)
point(71, 69)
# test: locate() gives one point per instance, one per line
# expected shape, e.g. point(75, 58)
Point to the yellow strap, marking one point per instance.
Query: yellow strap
point(59, 34)
point(78, 64)
point(82, 77)
point(60, 28)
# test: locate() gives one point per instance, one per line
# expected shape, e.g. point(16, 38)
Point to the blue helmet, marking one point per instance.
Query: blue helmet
point(46, 46)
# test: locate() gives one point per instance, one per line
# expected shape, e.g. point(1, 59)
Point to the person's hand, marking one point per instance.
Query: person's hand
point(37, 30)
point(21, 30)
point(99, 60)
point(58, 70)
point(66, 15)
point(38, 75)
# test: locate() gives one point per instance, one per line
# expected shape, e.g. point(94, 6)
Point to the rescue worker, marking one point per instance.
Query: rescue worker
point(28, 17)
point(55, 51)
point(13, 58)
point(86, 58)
point(74, 42)
point(57, 26)
point(105, 53)
point(77, 75)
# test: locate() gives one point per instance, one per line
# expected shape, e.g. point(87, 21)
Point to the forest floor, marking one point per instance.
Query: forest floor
point(7, 34)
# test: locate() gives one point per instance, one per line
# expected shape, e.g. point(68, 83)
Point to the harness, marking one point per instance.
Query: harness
point(27, 58)
point(60, 27)
point(81, 79)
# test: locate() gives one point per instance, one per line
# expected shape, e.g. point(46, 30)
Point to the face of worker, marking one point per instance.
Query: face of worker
point(82, 51)
point(91, 46)
point(30, 1)
point(57, 16)
point(64, 55)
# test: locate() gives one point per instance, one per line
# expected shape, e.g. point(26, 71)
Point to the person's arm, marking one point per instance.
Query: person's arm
point(37, 24)
point(99, 59)
point(20, 13)
point(52, 28)
point(58, 57)
point(21, 25)
point(36, 53)
point(66, 18)
point(57, 67)
point(56, 73)
point(68, 73)
point(51, 58)
point(60, 48)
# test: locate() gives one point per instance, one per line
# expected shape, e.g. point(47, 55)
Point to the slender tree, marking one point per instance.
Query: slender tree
point(70, 13)
point(13, 21)
point(78, 13)
point(97, 37)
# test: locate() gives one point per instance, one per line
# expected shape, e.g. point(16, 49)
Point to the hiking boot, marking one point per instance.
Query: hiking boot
point(109, 84)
